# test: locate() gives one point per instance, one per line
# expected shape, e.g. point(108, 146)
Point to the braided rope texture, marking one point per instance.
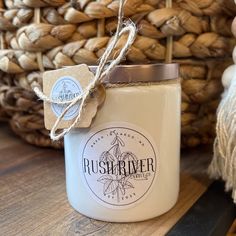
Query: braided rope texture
point(78, 31)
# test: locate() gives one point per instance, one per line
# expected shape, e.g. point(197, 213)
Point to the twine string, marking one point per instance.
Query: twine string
point(103, 69)
point(39, 55)
point(169, 40)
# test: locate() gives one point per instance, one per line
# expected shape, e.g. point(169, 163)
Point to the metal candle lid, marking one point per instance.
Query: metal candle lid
point(141, 73)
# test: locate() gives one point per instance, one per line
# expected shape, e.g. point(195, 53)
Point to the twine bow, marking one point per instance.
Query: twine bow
point(103, 70)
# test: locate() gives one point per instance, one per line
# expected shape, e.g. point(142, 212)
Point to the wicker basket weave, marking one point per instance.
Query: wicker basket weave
point(43, 35)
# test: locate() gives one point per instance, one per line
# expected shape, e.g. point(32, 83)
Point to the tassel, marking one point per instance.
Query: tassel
point(223, 164)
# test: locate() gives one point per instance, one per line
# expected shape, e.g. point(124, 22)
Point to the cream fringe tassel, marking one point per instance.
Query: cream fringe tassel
point(223, 164)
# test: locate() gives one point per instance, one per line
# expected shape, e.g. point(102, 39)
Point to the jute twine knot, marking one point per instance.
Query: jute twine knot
point(103, 69)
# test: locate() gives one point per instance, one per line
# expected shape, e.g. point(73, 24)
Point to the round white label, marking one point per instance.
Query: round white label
point(65, 89)
point(119, 164)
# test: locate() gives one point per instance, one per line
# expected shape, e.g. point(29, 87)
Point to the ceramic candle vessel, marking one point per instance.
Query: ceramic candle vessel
point(125, 167)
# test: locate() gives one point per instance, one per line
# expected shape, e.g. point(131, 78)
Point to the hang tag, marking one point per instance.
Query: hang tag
point(64, 85)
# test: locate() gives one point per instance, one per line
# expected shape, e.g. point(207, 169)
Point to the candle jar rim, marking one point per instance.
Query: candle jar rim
point(141, 73)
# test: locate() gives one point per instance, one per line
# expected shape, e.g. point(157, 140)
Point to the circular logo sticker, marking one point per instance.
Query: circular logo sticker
point(65, 89)
point(119, 164)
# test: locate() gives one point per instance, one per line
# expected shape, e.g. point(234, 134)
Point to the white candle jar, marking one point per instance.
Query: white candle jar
point(125, 167)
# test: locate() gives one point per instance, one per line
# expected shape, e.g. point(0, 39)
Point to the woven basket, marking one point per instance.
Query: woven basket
point(43, 35)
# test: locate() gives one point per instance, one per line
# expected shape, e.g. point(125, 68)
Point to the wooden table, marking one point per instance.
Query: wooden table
point(33, 196)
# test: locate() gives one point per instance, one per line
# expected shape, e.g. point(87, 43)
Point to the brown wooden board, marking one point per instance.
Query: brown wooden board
point(33, 195)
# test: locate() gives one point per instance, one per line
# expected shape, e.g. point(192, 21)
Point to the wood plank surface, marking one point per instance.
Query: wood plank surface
point(33, 196)
point(232, 230)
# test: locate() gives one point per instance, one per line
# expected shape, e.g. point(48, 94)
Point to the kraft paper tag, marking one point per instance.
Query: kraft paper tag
point(64, 85)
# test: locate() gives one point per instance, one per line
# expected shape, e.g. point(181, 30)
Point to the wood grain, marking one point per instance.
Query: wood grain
point(33, 195)
point(232, 231)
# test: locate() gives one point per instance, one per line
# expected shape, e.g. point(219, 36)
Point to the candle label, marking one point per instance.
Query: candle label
point(67, 84)
point(119, 164)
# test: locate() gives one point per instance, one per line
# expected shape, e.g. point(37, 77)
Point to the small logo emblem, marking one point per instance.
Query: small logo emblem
point(65, 89)
point(119, 165)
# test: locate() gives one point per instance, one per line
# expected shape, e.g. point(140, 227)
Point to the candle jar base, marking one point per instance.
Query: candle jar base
point(118, 216)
